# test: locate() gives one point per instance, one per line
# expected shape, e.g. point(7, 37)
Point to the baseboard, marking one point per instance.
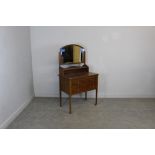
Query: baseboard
point(8, 121)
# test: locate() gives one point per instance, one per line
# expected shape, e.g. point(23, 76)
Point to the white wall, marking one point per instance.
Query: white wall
point(124, 57)
point(16, 82)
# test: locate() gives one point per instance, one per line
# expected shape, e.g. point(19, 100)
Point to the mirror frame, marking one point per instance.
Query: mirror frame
point(60, 56)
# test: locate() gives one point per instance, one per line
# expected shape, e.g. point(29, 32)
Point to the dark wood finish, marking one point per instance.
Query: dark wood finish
point(78, 83)
point(74, 80)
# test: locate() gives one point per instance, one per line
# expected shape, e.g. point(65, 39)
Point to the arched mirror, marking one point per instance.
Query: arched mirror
point(72, 55)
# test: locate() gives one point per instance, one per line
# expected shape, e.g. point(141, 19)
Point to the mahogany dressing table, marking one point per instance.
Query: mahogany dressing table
point(74, 75)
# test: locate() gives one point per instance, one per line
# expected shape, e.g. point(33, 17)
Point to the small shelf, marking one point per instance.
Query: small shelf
point(74, 70)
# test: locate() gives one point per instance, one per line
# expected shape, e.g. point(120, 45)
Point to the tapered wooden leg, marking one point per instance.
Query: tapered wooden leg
point(96, 96)
point(86, 95)
point(60, 92)
point(70, 108)
point(60, 99)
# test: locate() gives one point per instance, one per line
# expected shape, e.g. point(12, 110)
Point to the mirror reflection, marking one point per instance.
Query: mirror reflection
point(72, 54)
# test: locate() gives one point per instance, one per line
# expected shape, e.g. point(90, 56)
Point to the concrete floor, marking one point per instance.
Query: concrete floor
point(45, 113)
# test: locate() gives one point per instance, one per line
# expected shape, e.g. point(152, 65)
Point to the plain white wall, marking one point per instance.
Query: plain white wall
point(124, 57)
point(16, 80)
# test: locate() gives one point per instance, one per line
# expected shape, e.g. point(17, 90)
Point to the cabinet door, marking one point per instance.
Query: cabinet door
point(92, 83)
point(74, 86)
point(88, 83)
point(83, 84)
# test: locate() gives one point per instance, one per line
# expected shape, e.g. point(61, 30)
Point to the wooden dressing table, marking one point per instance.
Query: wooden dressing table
point(74, 75)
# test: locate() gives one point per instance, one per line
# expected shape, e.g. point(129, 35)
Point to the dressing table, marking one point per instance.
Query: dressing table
point(74, 75)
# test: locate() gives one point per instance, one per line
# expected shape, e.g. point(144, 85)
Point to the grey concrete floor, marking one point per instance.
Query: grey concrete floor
point(45, 113)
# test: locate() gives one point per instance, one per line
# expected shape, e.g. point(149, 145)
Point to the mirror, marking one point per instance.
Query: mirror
point(72, 54)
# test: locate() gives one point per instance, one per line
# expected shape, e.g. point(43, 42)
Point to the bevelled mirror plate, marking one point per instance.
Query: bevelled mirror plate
point(72, 55)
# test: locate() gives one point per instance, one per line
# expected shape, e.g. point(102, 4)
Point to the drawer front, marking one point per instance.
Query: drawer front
point(83, 84)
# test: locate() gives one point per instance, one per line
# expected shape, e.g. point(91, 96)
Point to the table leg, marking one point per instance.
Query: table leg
point(86, 95)
point(60, 99)
point(70, 108)
point(96, 96)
